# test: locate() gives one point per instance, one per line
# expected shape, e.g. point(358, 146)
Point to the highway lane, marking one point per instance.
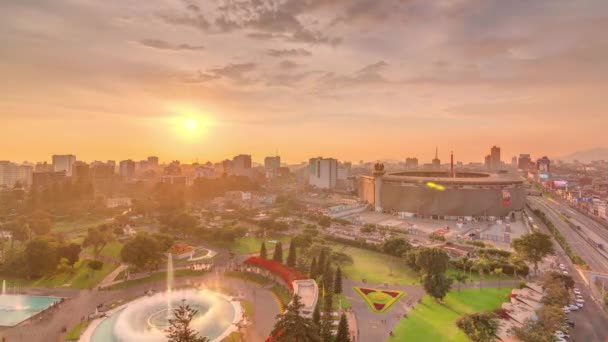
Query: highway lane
point(596, 261)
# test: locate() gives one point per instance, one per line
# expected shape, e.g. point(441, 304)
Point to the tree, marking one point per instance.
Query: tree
point(98, 237)
point(316, 315)
point(324, 221)
point(313, 269)
point(396, 247)
point(179, 326)
point(338, 281)
point(41, 257)
point(461, 278)
point(291, 257)
point(343, 333)
point(533, 247)
point(433, 263)
point(292, 327)
point(533, 331)
point(263, 252)
point(94, 265)
point(70, 252)
point(41, 226)
point(551, 317)
point(498, 273)
point(278, 252)
point(480, 326)
point(482, 265)
point(143, 252)
point(328, 278)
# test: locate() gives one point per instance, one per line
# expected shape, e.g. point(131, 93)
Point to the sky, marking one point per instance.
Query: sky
point(350, 79)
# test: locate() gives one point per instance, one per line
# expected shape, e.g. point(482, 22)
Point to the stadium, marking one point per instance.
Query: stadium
point(443, 195)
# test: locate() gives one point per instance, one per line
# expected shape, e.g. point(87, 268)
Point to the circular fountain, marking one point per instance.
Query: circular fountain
point(147, 318)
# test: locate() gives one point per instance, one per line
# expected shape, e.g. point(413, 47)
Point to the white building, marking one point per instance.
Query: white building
point(309, 293)
point(64, 162)
point(241, 165)
point(323, 172)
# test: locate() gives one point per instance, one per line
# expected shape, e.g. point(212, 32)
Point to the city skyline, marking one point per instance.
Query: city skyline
point(341, 78)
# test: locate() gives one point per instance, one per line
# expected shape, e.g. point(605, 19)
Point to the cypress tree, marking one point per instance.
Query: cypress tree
point(313, 269)
point(338, 281)
point(321, 262)
point(278, 252)
point(263, 252)
point(342, 334)
point(291, 257)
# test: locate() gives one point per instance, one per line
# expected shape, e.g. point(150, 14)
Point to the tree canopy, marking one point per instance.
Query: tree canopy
point(533, 247)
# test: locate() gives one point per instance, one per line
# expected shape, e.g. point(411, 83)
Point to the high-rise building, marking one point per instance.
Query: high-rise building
point(323, 172)
point(81, 172)
point(514, 161)
point(241, 165)
point(12, 174)
point(543, 165)
point(495, 162)
point(272, 165)
point(64, 162)
point(152, 161)
point(127, 169)
point(47, 179)
point(411, 163)
point(43, 167)
point(436, 163)
point(524, 162)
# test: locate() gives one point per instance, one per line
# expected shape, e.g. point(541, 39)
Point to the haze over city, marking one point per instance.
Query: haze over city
point(303, 170)
point(353, 79)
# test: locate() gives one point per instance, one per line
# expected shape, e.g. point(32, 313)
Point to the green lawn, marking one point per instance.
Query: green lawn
point(156, 277)
point(76, 226)
point(376, 267)
point(249, 245)
point(430, 321)
point(111, 250)
point(74, 333)
point(80, 277)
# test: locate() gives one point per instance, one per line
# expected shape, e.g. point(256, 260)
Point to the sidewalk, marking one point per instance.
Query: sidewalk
point(109, 279)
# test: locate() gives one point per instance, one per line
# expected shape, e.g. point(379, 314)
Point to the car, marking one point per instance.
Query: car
point(580, 305)
point(579, 300)
point(570, 323)
point(562, 266)
point(577, 290)
point(578, 293)
point(566, 310)
point(559, 333)
point(572, 307)
point(565, 272)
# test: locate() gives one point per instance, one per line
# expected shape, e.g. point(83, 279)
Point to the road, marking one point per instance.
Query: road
point(591, 320)
point(576, 239)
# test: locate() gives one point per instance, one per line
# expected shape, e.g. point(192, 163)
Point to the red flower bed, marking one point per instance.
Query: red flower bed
point(286, 273)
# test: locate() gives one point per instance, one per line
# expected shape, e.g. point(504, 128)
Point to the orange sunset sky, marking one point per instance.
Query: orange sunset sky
point(351, 79)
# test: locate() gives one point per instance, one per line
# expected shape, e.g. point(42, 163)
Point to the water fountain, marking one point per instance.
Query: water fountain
point(147, 318)
point(16, 308)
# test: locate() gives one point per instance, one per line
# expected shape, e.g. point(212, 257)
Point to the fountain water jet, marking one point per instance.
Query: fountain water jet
point(3, 287)
point(169, 283)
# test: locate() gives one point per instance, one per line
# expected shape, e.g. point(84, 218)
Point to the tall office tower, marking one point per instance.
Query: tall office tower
point(323, 172)
point(271, 166)
point(495, 162)
point(524, 162)
point(241, 165)
point(127, 169)
point(64, 162)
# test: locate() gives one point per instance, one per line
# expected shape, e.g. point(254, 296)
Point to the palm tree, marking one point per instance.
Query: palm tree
point(498, 273)
point(461, 278)
point(481, 264)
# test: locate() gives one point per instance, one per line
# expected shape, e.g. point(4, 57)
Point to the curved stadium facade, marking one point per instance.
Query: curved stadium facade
point(439, 194)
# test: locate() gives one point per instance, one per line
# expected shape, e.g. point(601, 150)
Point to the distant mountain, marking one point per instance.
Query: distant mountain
point(586, 156)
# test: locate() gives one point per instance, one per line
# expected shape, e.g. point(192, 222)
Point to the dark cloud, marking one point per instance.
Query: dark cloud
point(288, 65)
point(288, 52)
point(164, 45)
point(368, 75)
point(235, 72)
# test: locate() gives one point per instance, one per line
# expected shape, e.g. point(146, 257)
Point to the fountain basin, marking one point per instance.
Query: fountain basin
point(146, 318)
point(15, 309)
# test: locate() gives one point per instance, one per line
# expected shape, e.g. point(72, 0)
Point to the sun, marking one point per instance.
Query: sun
point(190, 124)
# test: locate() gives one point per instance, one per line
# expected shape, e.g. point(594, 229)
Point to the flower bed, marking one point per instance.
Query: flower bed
point(286, 273)
point(379, 301)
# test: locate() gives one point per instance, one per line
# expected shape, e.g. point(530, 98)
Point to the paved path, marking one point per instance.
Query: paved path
point(109, 279)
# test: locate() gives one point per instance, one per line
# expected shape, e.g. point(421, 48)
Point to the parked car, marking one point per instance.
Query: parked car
point(566, 309)
point(580, 305)
point(573, 307)
point(577, 291)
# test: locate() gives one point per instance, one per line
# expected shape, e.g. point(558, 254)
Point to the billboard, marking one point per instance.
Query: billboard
point(506, 198)
point(560, 183)
point(543, 176)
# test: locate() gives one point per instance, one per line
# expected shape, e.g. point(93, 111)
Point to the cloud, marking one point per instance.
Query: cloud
point(288, 65)
point(164, 45)
point(288, 52)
